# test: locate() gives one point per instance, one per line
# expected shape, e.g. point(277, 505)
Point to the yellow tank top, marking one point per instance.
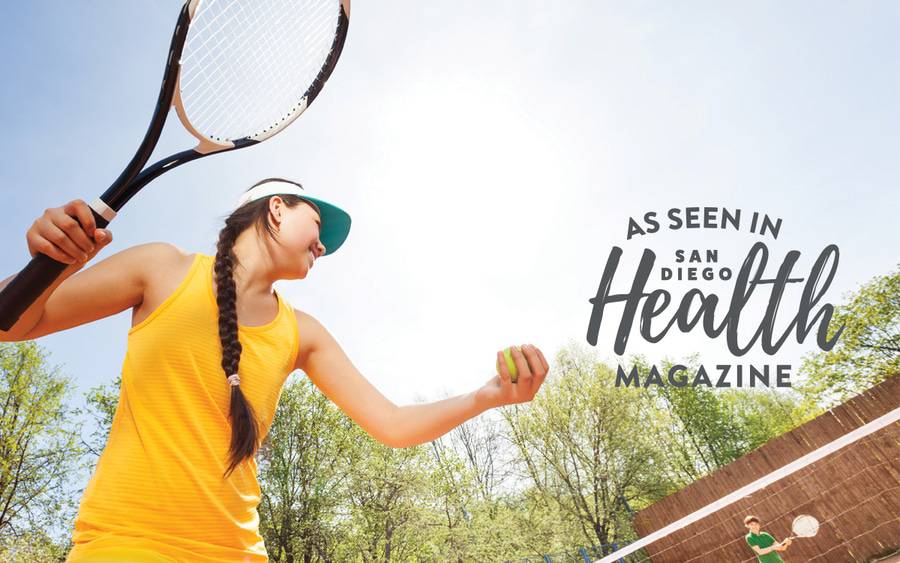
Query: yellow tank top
point(157, 493)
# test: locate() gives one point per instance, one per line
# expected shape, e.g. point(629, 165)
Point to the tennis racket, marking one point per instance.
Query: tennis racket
point(804, 526)
point(238, 72)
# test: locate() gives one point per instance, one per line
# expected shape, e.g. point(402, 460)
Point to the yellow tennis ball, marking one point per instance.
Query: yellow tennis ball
point(511, 365)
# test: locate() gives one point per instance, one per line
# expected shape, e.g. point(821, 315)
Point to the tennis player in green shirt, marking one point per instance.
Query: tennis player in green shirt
point(763, 544)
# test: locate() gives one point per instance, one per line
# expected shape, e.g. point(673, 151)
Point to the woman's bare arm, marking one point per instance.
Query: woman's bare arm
point(329, 368)
point(106, 288)
point(69, 235)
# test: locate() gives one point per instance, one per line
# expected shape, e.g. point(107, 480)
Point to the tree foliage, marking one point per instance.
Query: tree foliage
point(585, 447)
point(102, 402)
point(868, 350)
point(38, 447)
point(301, 475)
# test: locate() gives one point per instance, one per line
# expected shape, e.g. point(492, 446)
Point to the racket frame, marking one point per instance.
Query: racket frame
point(796, 524)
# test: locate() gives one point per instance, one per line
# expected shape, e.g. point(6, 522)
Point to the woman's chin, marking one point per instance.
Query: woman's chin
point(297, 274)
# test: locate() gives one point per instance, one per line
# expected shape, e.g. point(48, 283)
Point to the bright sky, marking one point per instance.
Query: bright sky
point(490, 154)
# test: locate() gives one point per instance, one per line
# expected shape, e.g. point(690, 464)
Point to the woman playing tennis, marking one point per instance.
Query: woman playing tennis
point(210, 347)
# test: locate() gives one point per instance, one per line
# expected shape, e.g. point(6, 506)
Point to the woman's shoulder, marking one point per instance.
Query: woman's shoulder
point(166, 255)
point(165, 251)
point(161, 258)
point(164, 266)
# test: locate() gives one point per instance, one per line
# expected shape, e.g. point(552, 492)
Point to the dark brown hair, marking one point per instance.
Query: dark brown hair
point(244, 426)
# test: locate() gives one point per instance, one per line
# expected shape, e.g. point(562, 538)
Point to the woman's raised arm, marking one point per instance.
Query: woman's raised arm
point(105, 289)
point(76, 298)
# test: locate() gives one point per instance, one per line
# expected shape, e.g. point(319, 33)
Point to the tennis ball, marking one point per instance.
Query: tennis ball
point(510, 365)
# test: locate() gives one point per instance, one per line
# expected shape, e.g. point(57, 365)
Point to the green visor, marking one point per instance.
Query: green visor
point(335, 221)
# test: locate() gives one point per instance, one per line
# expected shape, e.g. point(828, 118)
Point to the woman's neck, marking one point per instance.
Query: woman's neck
point(254, 272)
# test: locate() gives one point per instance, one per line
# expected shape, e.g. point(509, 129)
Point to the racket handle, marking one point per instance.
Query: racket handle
point(29, 284)
point(23, 290)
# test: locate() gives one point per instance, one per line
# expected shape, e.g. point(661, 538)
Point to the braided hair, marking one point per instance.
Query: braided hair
point(244, 426)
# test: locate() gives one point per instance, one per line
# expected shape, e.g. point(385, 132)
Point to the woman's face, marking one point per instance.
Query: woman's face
point(298, 232)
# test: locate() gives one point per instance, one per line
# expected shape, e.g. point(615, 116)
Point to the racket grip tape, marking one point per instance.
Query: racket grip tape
point(29, 284)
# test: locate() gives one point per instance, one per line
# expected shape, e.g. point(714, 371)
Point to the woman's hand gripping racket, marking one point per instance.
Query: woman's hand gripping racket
point(238, 72)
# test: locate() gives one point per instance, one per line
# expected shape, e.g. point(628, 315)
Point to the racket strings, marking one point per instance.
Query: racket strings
point(246, 66)
point(217, 28)
point(805, 526)
point(230, 106)
point(211, 109)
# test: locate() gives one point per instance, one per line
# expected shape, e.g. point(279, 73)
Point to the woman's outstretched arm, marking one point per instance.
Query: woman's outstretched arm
point(418, 424)
point(329, 368)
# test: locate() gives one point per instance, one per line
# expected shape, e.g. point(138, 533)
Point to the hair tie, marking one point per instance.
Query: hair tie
point(234, 379)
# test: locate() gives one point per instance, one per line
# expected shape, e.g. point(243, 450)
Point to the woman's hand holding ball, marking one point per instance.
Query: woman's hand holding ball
point(521, 371)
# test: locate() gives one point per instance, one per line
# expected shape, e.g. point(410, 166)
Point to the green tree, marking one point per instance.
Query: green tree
point(33, 546)
point(301, 474)
point(38, 446)
point(868, 350)
point(716, 426)
point(455, 491)
point(706, 423)
point(586, 448)
point(390, 514)
point(764, 414)
point(481, 443)
point(472, 464)
point(102, 402)
point(701, 429)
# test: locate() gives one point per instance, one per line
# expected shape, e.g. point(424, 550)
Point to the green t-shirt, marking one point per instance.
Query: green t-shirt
point(762, 541)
